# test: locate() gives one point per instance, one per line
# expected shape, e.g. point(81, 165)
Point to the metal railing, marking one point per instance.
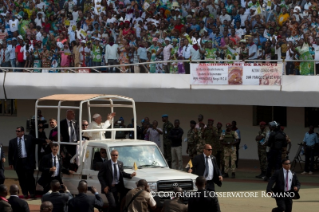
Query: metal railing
point(97, 69)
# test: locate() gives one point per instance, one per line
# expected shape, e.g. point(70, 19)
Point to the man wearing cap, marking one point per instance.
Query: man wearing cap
point(261, 143)
point(167, 127)
point(167, 54)
point(97, 124)
point(192, 140)
point(229, 139)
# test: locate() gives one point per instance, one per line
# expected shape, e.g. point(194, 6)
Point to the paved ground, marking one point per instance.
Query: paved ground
point(245, 182)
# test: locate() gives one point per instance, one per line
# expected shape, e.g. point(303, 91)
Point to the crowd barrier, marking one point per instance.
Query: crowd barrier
point(97, 69)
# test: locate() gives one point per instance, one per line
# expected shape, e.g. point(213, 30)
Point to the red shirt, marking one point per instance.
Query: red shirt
point(20, 54)
point(179, 27)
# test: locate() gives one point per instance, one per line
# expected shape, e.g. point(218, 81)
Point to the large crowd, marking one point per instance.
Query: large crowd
point(43, 35)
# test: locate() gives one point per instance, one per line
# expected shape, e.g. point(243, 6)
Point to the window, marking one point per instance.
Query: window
point(97, 158)
point(8, 107)
point(311, 116)
point(269, 113)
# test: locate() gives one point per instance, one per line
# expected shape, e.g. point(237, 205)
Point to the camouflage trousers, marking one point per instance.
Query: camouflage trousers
point(192, 150)
point(167, 150)
point(200, 146)
point(262, 155)
point(230, 155)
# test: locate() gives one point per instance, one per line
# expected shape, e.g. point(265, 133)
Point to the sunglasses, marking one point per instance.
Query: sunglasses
point(85, 125)
point(18, 131)
point(114, 155)
point(51, 122)
point(287, 163)
point(209, 149)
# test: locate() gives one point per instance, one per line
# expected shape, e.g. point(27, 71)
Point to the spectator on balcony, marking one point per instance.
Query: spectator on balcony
point(111, 54)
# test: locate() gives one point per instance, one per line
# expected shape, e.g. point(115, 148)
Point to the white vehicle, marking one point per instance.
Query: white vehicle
point(150, 162)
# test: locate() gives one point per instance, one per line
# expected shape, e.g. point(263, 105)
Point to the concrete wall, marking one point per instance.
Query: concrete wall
point(184, 112)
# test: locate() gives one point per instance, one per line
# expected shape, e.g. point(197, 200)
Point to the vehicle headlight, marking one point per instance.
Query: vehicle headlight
point(194, 185)
point(153, 186)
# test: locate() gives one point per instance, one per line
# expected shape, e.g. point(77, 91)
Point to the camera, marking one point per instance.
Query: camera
point(42, 124)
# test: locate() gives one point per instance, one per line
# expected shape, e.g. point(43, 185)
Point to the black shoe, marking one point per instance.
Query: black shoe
point(266, 179)
point(260, 176)
point(32, 196)
point(225, 175)
point(233, 175)
point(25, 196)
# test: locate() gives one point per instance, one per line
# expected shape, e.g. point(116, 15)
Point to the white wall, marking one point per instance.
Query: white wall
point(184, 112)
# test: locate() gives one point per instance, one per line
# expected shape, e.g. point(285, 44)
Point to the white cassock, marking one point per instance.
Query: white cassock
point(97, 135)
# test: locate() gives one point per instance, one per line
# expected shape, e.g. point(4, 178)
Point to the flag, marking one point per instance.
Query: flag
point(189, 164)
point(134, 166)
point(258, 10)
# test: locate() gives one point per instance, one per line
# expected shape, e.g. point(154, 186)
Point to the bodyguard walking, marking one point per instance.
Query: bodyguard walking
point(22, 158)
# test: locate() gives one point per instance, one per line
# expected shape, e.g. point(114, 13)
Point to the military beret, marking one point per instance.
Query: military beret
point(164, 115)
point(193, 122)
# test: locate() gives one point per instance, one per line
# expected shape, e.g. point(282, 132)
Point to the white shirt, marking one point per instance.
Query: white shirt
point(195, 54)
point(307, 5)
point(210, 166)
point(70, 130)
point(288, 57)
point(38, 22)
point(14, 25)
point(111, 52)
point(252, 49)
point(289, 179)
point(75, 15)
point(57, 166)
point(226, 17)
point(316, 47)
point(187, 51)
point(97, 135)
point(13, 53)
point(115, 181)
point(23, 151)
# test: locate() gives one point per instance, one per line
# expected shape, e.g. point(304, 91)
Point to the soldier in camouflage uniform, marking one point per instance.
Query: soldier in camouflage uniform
point(209, 133)
point(229, 139)
point(218, 148)
point(201, 143)
point(167, 127)
point(262, 146)
point(192, 140)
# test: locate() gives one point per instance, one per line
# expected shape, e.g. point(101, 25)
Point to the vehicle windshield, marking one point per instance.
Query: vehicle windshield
point(144, 156)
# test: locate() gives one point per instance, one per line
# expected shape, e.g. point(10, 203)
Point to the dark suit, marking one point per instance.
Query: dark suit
point(24, 166)
point(59, 200)
point(174, 205)
point(199, 169)
point(71, 149)
point(106, 179)
point(85, 203)
point(203, 202)
point(283, 203)
point(2, 177)
point(5, 206)
point(46, 175)
point(18, 205)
